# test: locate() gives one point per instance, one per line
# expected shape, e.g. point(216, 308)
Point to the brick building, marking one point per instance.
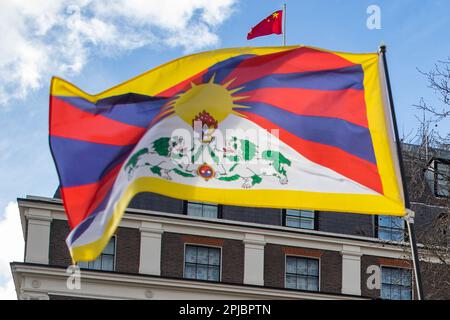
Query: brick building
point(173, 249)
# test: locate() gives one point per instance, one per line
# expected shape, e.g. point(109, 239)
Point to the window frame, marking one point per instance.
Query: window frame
point(203, 246)
point(100, 256)
point(400, 268)
point(319, 271)
point(219, 209)
point(284, 215)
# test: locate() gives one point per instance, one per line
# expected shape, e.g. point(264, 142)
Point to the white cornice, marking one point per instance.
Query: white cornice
point(103, 285)
point(237, 230)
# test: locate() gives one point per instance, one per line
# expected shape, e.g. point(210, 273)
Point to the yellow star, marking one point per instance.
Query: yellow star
point(275, 15)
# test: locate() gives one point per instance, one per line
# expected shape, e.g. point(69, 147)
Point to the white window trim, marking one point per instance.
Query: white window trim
point(395, 267)
point(203, 204)
point(307, 257)
point(204, 246)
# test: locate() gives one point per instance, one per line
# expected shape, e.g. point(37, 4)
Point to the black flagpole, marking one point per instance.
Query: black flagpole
point(410, 217)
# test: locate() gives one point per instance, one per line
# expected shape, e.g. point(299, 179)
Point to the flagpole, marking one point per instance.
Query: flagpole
point(410, 214)
point(284, 24)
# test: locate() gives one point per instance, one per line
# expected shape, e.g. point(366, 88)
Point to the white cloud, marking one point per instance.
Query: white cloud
point(7, 291)
point(45, 37)
point(11, 248)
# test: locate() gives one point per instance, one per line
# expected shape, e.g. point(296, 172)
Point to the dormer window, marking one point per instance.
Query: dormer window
point(438, 176)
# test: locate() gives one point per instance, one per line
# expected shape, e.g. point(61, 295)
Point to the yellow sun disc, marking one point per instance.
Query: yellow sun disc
point(216, 98)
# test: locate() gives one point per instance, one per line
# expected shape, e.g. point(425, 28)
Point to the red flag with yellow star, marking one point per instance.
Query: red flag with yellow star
point(270, 25)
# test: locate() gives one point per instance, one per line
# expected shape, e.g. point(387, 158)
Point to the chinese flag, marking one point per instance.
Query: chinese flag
point(271, 24)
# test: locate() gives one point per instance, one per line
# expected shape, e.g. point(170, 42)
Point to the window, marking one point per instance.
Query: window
point(303, 219)
point(437, 176)
point(106, 259)
point(202, 263)
point(396, 284)
point(202, 209)
point(442, 176)
point(302, 273)
point(391, 228)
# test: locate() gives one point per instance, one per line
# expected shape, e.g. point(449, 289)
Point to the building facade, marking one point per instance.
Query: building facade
point(174, 249)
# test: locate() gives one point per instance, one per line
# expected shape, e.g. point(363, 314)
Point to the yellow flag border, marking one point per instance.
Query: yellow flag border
point(391, 203)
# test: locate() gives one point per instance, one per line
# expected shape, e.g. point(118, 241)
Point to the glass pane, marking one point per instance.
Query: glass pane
point(202, 272)
point(202, 255)
point(108, 262)
point(384, 221)
point(109, 249)
point(442, 188)
point(443, 171)
point(313, 267)
point(293, 222)
point(398, 223)
point(406, 294)
point(383, 234)
point(210, 211)
point(397, 235)
point(291, 282)
point(214, 257)
point(385, 291)
point(391, 228)
point(194, 209)
point(396, 277)
point(307, 224)
point(291, 265)
point(313, 284)
point(406, 278)
point(395, 293)
point(191, 254)
point(214, 273)
point(302, 266)
point(385, 275)
point(302, 283)
point(96, 264)
point(307, 214)
point(84, 265)
point(443, 180)
point(292, 212)
point(189, 271)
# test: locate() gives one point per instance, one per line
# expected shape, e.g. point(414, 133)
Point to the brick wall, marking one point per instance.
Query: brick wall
point(156, 202)
point(346, 223)
point(58, 252)
point(128, 242)
point(273, 266)
point(331, 272)
point(172, 255)
point(330, 266)
point(367, 261)
point(256, 215)
point(127, 252)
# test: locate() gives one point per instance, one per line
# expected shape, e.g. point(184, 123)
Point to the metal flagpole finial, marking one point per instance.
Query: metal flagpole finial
point(410, 215)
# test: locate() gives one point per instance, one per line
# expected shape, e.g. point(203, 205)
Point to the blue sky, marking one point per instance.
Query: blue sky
point(416, 33)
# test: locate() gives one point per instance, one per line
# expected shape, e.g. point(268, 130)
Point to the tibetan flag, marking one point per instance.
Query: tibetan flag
point(270, 25)
point(281, 127)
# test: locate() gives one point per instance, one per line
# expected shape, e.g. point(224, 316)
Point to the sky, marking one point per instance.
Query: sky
point(98, 44)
